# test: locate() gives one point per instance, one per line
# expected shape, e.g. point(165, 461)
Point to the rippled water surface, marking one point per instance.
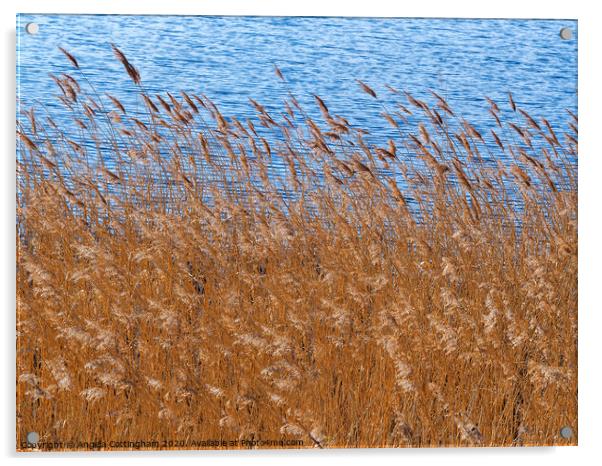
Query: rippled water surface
point(231, 59)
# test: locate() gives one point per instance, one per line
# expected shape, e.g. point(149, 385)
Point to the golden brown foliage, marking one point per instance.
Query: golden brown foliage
point(211, 283)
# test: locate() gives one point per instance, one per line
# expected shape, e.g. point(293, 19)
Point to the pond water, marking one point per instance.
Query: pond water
point(230, 59)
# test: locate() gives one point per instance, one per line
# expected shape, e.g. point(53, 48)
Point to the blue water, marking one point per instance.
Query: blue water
point(230, 59)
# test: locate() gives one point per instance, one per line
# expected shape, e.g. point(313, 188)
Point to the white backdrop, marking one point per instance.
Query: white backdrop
point(590, 276)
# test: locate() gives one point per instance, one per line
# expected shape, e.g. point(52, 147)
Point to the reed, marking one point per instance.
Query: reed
point(185, 275)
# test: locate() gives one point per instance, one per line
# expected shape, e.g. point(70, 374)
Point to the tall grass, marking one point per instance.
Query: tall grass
point(182, 275)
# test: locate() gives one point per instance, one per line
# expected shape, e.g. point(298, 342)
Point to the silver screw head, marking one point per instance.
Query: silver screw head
point(33, 437)
point(566, 432)
point(566, 34)
point(32, 28)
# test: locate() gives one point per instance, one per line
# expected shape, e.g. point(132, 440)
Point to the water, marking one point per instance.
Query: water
point(231, 59)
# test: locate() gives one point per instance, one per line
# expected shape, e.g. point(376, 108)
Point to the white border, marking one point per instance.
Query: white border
point(590, 166)
point(426, 8)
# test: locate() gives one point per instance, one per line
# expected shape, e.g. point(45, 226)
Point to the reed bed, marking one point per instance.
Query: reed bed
point(183, 275)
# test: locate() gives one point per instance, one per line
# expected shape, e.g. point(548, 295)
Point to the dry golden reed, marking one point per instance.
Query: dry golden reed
point(184, 275)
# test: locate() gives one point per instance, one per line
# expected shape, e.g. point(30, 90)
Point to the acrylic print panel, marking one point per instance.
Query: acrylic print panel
point(277, 232)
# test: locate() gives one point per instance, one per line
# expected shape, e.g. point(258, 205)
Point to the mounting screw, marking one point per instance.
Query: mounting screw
point(566, 432)
point(566, 34)
point(32, 28)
